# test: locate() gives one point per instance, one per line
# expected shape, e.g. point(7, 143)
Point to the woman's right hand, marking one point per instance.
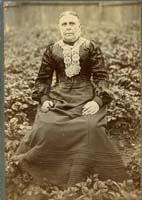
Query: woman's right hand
point(46, 105)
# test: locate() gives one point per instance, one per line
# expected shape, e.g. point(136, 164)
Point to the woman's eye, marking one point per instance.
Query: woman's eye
point(64, 24)
point(71, 23)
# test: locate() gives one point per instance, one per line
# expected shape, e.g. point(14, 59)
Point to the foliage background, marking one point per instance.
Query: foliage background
point(23, 52)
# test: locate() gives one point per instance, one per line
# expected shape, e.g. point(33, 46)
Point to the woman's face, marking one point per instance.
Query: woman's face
point(69, 26)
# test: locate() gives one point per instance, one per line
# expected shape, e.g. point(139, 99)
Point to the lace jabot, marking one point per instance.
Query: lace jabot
point(71, 56)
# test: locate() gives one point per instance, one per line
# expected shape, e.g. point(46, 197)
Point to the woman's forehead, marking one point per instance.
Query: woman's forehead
point(69, 18)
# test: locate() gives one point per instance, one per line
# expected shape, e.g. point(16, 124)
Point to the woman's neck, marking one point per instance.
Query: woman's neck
point(70, 43)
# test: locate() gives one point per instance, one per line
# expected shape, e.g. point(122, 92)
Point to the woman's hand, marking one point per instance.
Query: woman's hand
point(90, 108)
point(46, 105)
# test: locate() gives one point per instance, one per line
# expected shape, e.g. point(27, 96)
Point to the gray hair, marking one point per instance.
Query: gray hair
point(68, 13)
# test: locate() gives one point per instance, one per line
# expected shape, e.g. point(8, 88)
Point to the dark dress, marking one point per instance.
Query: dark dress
point(65, 146)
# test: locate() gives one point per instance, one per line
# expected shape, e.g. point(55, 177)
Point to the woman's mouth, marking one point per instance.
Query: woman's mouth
point(68, 33)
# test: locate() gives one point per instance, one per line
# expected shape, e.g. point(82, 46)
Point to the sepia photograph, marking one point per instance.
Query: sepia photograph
point(72, 100)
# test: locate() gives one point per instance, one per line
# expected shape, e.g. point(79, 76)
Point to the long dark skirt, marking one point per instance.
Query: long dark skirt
point(65, 147)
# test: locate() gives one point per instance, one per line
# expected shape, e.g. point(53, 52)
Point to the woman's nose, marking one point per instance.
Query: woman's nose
point(68, 26)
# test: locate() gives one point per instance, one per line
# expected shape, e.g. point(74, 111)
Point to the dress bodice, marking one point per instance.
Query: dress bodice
point(57, 60)
point(92, 69)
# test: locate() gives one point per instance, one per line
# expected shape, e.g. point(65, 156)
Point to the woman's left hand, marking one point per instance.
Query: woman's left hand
point(90, 108)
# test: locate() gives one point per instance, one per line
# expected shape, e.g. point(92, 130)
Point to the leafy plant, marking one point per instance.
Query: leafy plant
point(22, 61)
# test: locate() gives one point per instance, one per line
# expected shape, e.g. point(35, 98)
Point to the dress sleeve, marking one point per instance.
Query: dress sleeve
point(44, 78)
point(102, 94)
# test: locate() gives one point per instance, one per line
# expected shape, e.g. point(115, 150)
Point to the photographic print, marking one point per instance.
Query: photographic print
point(72, 100)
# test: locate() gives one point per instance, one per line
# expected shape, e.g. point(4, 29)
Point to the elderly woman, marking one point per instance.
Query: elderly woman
point(68, 139)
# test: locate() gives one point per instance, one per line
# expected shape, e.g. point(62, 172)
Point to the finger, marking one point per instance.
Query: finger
point(84, 107)
point(46, 104)
point(85, 110)
point(87, 107)
point(90, 107)
point(86, 113)
point(44, 109)
point(51, 103)
point(90, 111)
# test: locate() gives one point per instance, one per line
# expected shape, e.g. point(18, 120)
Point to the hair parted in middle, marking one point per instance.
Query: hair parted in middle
point(68, 13)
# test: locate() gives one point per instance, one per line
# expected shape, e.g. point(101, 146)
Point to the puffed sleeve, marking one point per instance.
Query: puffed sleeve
point(44, 78)
point(102, 93)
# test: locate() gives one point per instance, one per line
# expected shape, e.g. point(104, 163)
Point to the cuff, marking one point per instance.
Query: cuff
point(44, 98)
point(98, 100)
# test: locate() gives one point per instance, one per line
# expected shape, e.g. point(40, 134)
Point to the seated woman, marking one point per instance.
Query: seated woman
point(68, 139)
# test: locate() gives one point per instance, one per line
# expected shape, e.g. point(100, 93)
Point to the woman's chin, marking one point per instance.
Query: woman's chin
point(70, 39)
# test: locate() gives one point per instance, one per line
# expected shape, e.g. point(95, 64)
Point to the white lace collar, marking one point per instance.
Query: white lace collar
point(71, 56)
